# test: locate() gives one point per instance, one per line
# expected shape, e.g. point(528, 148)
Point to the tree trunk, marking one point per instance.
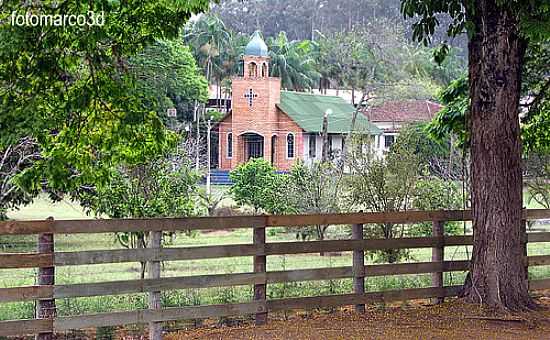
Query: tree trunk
point(141, 245)
point(497, 277)
point(321, 236)
point(324, 134)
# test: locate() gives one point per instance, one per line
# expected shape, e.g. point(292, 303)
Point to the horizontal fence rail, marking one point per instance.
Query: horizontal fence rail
point(46, 294)
point(32, 260)
point(229, 222)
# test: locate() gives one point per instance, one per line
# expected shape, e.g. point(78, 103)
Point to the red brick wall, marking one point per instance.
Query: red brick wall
point(286, 125)
point(223, 130)
point(262, 118)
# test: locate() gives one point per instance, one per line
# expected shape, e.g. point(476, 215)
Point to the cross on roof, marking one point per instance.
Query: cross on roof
point(250, 95)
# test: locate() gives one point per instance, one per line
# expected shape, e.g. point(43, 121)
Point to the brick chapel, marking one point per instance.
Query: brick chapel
point(279, 126)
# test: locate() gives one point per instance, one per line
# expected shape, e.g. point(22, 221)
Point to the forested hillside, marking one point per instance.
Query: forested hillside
point(372, 55)
point(307, 19)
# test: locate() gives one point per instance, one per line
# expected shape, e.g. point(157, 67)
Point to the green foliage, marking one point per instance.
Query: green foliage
point(382, 184)
point(538, 179)
point(158, 188)
point(213, 46)
point(534, 21)
point(315, 189)
point(146, 190)
point(69, 89)
point(536, 130)
point(215, 115)
point(536, 85)
point(13, 159)
point(435, 194)
point(168, 74)
point(534, 18)
point(378, 59)
point(293, 62)
point(451, 120)
point(376, 56)
point(256, 183)
point(416, 137)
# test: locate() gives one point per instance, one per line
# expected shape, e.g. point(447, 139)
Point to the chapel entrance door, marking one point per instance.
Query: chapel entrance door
point(254, 146)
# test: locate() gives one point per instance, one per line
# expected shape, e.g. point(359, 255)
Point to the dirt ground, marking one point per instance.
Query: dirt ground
point(452, 320)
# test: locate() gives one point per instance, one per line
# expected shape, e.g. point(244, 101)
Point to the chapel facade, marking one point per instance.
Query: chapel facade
point(279, 126)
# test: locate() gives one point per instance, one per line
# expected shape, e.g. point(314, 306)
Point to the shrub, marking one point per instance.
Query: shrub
point(257, 184)
point(435, 194)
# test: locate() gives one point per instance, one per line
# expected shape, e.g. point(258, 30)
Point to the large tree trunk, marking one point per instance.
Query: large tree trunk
point(497, 277)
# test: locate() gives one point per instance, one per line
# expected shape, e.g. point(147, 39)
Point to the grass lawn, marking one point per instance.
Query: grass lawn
point(42, 208)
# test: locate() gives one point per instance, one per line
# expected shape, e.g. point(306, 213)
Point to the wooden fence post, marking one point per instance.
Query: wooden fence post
point(155, 328)
point(260, 267)
point(525, 241)
point(358, 266)
point(438, 255)
point(45, 309)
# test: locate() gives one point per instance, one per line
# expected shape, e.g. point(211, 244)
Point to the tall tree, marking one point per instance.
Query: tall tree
point(13, 159)
point(315, 189)
point(210, 39)
point(498, 35)
point(158, 188)
point(167, 73)
point(69, 89)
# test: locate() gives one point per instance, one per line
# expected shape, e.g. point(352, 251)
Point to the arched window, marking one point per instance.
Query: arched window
point(290, 145)
point(264, 70)
point(252, 70)
point(273, 148)
point(229, 145)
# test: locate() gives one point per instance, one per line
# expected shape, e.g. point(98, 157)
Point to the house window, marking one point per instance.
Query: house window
point(264, 70)
point(312, 146)
point(388, 141)
point(229, 145)
point(290, 145)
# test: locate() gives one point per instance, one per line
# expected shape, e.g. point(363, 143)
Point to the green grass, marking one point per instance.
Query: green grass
point(42, 208)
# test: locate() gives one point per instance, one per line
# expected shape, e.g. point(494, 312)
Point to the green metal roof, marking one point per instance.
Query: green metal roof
point(307, 110)
point(256, 46)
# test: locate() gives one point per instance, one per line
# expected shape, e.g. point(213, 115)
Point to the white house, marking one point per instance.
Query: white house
point(391, 116)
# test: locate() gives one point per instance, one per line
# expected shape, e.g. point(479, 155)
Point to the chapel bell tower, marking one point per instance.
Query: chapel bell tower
point(255, 96)
point(256, 58)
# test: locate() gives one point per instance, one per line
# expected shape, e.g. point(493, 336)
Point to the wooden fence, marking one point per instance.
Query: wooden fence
point(47, 259)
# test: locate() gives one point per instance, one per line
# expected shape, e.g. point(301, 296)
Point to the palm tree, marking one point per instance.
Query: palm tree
point(293, 61)
point(210, 41)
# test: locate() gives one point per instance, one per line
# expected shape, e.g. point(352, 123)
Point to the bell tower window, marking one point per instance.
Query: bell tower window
point(252, 70)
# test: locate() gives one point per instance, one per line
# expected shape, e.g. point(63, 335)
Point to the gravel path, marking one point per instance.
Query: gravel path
point(451, 320)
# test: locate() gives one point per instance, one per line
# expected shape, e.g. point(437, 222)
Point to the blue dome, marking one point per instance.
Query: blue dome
point(256, 46)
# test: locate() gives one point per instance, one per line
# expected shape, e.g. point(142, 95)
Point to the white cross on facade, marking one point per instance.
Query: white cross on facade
point(250, 95)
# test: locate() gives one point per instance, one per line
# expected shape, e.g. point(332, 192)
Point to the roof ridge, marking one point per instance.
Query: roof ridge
point(312, 94)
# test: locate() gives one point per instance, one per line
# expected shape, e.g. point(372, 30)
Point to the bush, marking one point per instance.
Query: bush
point(436, 194)
point(315, 189)
point(257, 184)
